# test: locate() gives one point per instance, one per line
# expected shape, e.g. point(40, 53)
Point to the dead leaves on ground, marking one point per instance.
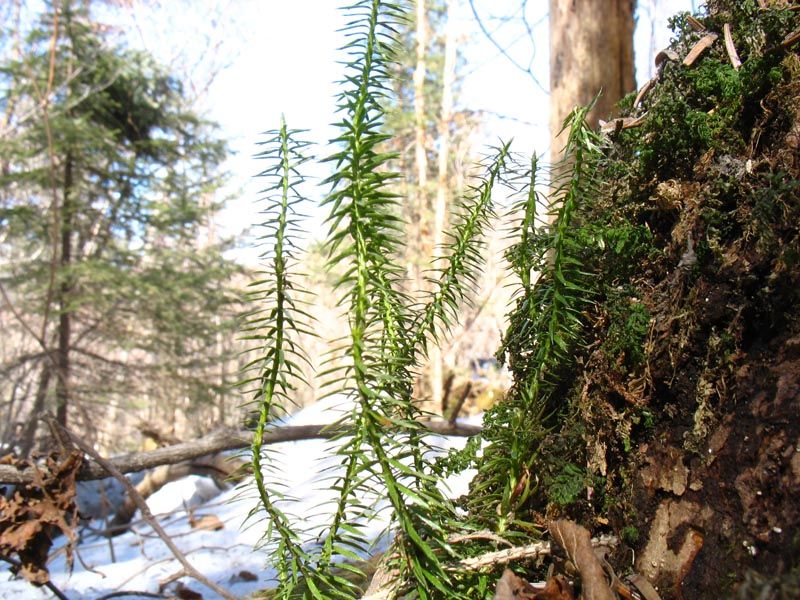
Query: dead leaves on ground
point(597, 579)
point(511, 587)
point(34, 513)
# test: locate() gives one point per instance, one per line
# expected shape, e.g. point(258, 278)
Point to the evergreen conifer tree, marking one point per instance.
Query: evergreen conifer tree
point(107, 182)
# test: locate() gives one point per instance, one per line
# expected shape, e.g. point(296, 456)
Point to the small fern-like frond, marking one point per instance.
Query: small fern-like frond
point(384, 449)
point(463, 255)
point(546, 323)
point(274, 327)
point(544, 327)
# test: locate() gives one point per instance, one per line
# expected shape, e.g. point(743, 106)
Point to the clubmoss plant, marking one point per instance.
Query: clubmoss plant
point(383, 459)
point(274, 327)
point(544, 331)
point(380, 443)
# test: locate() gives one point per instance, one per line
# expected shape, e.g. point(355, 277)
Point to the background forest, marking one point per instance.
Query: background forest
point(624, 315)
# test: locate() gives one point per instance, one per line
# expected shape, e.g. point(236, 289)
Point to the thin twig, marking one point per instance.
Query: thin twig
point(478, 535)
point(537, 549)
point(84, 564)
point(146, 514)
point(492, 559)
point(48, 584)
point(502, 50)
point(131, 593)
point(21, 320)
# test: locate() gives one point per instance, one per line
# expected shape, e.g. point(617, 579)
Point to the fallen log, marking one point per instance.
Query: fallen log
point(219, 467)
point(218, 440)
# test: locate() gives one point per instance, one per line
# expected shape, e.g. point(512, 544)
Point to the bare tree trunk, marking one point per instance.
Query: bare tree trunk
point(421, 252)
point(591, 49)
point(442, 184)
point(64, 293)
point(29, 435)
point(420, 152)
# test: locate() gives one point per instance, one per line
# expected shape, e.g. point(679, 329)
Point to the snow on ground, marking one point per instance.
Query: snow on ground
point(138, 560)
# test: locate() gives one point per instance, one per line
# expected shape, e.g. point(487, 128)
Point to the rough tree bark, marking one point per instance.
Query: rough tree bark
point(591, 49)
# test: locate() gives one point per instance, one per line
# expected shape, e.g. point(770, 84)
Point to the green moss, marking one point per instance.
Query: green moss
point(619, 382)
point(629, 535)
point(567, 485)
point(627, 332)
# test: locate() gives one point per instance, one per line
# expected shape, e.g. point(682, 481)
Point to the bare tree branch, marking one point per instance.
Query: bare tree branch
point(504, 51)
point(216, 441)
point(188, 569)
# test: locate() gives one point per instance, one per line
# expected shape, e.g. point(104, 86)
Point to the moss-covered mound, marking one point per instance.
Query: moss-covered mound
point(679, 419)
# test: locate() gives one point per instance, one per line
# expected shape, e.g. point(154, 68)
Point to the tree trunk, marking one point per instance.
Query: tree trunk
point(64, 293)
point(591, 49)
point(420, 152)
point(442, 184)
point(422, 252)
point(29, 435)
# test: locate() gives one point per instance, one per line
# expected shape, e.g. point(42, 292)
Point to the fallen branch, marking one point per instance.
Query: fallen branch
point(123, 593)
point(188, 569)
point(217, 466)
point(385, 583)
point(216, 441)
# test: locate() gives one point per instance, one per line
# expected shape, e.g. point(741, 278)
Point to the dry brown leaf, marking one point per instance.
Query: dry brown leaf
point(17, 537)
point(556, 588)
point(209, 522)
point(31, 517)
point(512, 587)
point(704, 43)
point(577, 543)
point(34, 574)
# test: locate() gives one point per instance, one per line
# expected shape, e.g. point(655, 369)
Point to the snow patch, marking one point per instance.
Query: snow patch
point(138, 559)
